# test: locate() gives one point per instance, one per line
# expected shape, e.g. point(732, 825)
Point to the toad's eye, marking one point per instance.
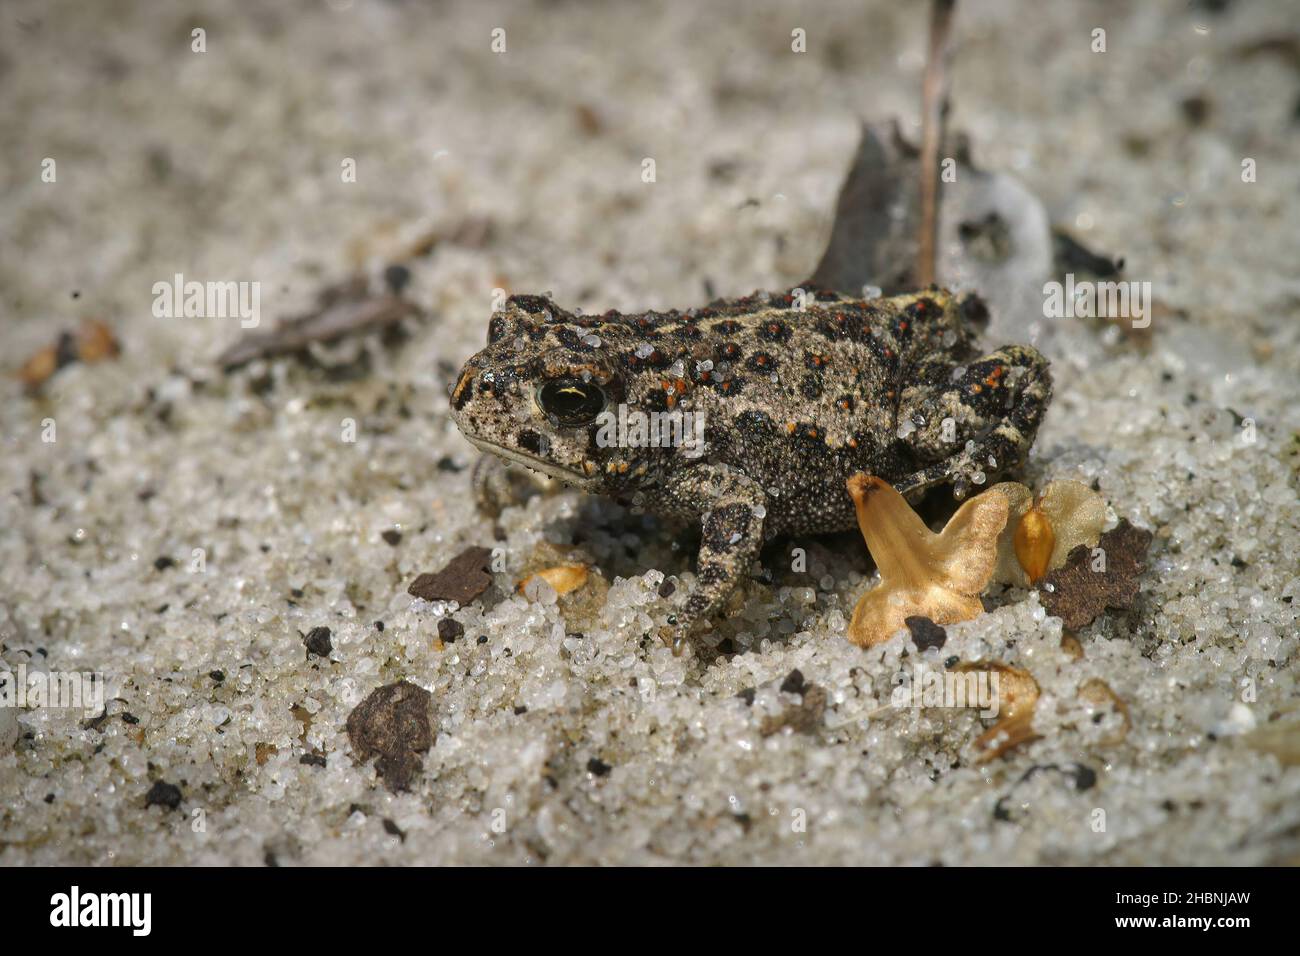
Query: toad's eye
point(571, 401)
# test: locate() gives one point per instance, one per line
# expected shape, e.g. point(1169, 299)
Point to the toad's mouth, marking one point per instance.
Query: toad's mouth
point(536, 463)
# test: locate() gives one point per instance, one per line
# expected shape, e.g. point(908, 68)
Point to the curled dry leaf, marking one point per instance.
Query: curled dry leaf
point(1017, 696)
point(564, 578)
point(938, 576)
point(1041, 532)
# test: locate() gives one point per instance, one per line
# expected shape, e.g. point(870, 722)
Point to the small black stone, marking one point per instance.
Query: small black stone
point(450, 630)
point(129, 718)
point(312, 760)
point(447, 463)
point(163, 794)
point(393, 829)
point(49, 798)
point(482, 638)
point(392, 536)
point(318, 642)
point(1085, 778)
point(793, 683)
point(925, 633)
point(747, 695)
point(521, 709)
point(164, 562)
point(666, 589)
point(379, 626)
point(598, 767)
point(952, 661)
point(396, 277)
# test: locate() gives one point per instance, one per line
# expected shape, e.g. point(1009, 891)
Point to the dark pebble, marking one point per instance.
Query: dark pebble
point(925, 633)
point(598, 767)
point(163, 794)
point(392, 536)
point(318, 642)
point(793, 683)
point(450, 630)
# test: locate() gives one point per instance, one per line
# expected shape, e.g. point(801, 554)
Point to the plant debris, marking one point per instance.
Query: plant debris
point(874, 239)
point(465, 577)
point(563, 578)
point(1017, 695)
point(938, 576)
point(1041, 532)
point(1093, 580)
point(1070, 255)
point(393, 723)
point(92, 342)
point(342, 310)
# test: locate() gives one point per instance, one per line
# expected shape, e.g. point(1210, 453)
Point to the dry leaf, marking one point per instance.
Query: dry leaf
point(1088, 584)
point(1017, 698)
point(938, 576)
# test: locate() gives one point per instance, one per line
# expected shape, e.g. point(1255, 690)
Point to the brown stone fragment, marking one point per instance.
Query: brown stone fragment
point(393, 723)
point(464, 578)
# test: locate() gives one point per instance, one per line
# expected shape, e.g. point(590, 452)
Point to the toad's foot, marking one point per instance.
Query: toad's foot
point(731, 539)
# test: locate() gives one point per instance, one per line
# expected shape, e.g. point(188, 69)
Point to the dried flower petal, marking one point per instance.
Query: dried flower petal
point(1074, 513)
point(938, 576)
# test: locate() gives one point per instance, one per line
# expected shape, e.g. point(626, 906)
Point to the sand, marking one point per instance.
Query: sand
point(185, 528)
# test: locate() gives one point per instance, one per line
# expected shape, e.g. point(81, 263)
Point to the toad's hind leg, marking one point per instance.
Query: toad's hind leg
point(981, 425)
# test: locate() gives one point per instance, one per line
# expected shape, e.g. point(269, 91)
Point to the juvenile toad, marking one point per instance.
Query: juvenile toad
point(791, 393)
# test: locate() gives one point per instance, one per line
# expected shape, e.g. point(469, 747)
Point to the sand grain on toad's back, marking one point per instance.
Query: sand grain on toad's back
point(250, 467)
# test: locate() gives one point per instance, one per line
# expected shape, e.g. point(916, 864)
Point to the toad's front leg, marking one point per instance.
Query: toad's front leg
point(732, 535)
point(976, 423)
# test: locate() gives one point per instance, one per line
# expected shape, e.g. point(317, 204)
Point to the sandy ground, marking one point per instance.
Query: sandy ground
point(226, 165)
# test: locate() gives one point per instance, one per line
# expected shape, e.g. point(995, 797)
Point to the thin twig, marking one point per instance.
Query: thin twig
point(933, 110)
